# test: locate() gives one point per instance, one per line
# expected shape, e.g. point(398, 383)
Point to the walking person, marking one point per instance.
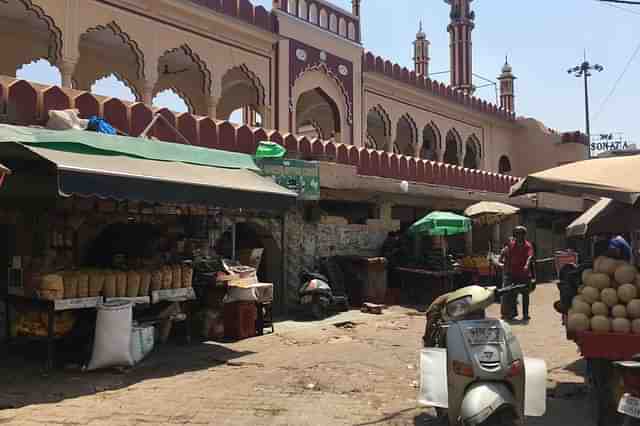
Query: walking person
point(518, 258)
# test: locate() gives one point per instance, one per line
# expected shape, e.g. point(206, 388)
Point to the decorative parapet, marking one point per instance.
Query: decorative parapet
point(245, 11)
point(25, 103)
point(377, 64)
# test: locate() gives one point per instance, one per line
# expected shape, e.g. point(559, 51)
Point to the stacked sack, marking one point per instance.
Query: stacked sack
point(110, 284)
point(609, 299)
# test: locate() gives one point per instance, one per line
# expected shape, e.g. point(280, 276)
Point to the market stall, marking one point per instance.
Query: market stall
point(94, 219)
point(600, 298)
point(430, 271)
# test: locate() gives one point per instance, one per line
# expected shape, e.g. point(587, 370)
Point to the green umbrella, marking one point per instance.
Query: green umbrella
point(441, 224)
point(270, 150)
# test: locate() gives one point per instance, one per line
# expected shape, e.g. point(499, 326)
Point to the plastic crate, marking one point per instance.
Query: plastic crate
point(612, 346)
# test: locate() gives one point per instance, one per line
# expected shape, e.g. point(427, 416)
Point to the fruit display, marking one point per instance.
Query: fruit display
point(609, 299)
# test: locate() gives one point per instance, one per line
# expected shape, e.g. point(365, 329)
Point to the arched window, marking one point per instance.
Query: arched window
point(352, 31)
point(313, 14)
point(342, 27)
point(324, 18)
point(504, 165)
point(40, 71)
point(452, 148)
point(333, 23)
point(293, 7)
point(302, 10)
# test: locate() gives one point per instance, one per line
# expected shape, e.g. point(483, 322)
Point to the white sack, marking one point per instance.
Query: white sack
point(433, 378)
point(112, 343)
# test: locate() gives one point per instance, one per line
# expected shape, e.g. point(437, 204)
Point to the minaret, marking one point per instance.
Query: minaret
point(460, 29)
point(421, 53)
point(355, 8)
point(507, 90)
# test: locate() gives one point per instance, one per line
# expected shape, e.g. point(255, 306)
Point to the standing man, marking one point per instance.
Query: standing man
point(518, 268)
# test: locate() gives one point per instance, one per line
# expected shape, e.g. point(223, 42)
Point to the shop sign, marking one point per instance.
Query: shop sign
point(299, 176)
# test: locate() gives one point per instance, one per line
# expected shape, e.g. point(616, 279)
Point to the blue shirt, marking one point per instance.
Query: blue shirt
point(622, 245)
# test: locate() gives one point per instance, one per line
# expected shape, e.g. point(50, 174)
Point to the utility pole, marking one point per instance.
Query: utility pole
point(584, 70)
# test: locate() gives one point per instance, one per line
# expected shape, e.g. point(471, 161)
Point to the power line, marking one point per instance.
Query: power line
point(615, 86)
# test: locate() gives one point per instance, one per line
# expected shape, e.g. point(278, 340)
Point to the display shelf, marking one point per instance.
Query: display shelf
point(173, 295)
point(140, 300)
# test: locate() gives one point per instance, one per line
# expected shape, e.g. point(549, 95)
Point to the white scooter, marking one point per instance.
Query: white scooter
point(472, 368)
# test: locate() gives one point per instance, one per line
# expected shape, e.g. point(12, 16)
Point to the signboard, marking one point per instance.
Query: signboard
point(300, 176)
point(606, 142)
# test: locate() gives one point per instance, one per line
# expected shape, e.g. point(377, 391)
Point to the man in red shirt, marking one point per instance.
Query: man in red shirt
point(517, 258)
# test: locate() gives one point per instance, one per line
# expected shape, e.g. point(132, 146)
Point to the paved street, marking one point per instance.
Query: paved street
point(364, 373)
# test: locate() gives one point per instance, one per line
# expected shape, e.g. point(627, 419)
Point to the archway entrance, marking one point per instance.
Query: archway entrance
point(250, 236)
point(317, 116)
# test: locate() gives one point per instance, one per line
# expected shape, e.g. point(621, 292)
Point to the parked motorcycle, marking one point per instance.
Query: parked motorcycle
point(485, 367)
point(629, 404)
point(317, 296)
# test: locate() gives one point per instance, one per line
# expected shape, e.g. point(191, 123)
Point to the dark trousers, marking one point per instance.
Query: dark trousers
point(509, 305)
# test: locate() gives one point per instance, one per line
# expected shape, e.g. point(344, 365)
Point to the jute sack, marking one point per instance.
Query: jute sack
point(167, 277)
point(121, 284)
point(96, 283)
point(133, 284)
point(83, 284)
point(51, 287)
point(145, 283)
point(176, 275)
point(70, 280)
point(187, 276)
point(156, 280)
point(110, 288)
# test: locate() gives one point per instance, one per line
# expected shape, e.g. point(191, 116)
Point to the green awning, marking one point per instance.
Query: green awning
point(85, 142)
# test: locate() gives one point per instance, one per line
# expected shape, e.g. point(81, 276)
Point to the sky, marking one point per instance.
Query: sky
point(542, 38)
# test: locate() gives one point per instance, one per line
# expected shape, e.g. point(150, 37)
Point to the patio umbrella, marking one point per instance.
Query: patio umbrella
point(615, 178)
point(441, 224)
point(606, 216)
point(488, 212)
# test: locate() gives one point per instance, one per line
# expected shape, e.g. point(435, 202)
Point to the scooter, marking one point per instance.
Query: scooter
point(629, 404)
point(485, 367)
point(317, 296)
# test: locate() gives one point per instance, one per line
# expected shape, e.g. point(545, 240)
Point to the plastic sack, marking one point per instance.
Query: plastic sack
point(112, 343)
point(433, 378)
point(65, 120)
point(240, 294)
point(142, 342)
point(100, 125)
point(535, 388)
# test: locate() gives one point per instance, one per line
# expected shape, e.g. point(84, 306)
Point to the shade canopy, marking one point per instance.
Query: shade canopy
point(604, 217)
point(616, 178)
point(441, 224)
point(46, 173)
point(490, 211)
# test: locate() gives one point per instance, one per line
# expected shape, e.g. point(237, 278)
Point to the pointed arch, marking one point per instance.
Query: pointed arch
point(168, 97)
point(201, 66)
point(333, 23)
point(303, 11)
point(378, 128)
point(112, 91)
point(504, 165)
point(452, 147)
point(313, 14)
point(241, 88)
point(473, 153)
point(324, 18)
point(32, 32)
point(342, 27)
point(431, 143)
point(406, 136)
point(116, 31)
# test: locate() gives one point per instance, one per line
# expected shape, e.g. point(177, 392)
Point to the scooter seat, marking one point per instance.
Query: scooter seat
point(629, 364)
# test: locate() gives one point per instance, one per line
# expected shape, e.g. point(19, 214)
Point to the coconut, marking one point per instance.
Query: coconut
point(621, 325)
point(627, 292)
point(606, 265)
point(581, 307)
point(599, 308)
point(609, 296)
point(619, 311)
point(598, 280)
point(577, 322)
point(585, 275)
point(600, 324)
point(626, 273)
point(633, 308)
point(590, 294)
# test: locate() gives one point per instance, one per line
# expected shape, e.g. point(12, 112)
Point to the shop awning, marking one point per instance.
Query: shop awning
point(606, 216)
point(46, 172)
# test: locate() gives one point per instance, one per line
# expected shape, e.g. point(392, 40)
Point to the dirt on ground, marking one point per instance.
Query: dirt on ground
point(352, 369)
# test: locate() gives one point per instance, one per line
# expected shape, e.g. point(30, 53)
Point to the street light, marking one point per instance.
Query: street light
point(584, 70)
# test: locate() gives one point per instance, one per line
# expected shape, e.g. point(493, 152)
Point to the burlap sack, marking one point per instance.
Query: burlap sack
point(133, 284)
point(187, 276)
point(96, 283)
point(145, 283)
point(167, 277)
point(156, 280)
point(176, 271)
point(83, 284)
point(70, 280)
point(121, 284)
point(51, 287)
point(110, 288)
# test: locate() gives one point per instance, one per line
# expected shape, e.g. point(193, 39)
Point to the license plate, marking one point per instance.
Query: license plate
point(484, 335)
point(307, 299)
point(630, 406)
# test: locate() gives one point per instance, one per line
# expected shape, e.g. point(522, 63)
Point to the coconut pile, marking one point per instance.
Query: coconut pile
point(609, 299)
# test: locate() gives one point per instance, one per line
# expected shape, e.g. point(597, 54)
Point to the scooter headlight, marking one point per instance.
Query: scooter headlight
point(459, 307)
